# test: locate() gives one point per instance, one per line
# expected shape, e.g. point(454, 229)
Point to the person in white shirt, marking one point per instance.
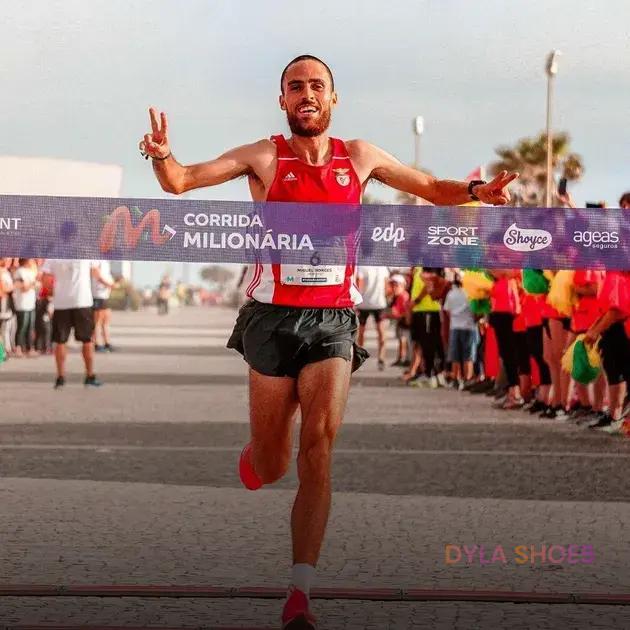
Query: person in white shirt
point(72, 301)
point(372, 284)
point(24, 297)
point(6, 310)
point(462, 333)
point(102, 285)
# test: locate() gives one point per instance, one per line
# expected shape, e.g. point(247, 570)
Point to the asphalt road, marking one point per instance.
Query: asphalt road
point(135, 483)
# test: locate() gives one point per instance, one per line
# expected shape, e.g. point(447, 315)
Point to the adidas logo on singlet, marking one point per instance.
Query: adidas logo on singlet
point(289, 177)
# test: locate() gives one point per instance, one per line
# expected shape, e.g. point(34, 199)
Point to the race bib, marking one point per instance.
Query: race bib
point(311, 275)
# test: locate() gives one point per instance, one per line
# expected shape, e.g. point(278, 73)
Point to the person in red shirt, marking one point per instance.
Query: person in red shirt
point(504, 308)
point(588, 309)
point(399, 305)
point(523, 354)
point(614, 299)
point(299, 338)
point(532, 310)
point(556, 326)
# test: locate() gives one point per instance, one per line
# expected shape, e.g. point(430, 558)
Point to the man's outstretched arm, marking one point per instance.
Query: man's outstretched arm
point(442, 192)
point(177, 178)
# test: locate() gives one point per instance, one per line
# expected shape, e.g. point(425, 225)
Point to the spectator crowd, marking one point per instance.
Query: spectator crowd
point(555, 344)
point(551, 343)
point(43, 302)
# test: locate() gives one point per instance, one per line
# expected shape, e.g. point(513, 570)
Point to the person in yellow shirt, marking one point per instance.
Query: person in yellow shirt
point(425, 322)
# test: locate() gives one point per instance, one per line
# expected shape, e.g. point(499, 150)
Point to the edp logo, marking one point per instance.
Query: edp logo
point(390, 234)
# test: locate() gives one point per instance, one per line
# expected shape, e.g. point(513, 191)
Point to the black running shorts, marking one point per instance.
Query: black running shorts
point(377, 313)
point(281, 340)
point(79, 319)
point(615, 348)
point(100, 304)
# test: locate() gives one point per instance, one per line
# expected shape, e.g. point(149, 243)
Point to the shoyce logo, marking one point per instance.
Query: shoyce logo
point(452, 235)
point(526, 240)
point(10, 223)
point(597, 240)
point(390, 234)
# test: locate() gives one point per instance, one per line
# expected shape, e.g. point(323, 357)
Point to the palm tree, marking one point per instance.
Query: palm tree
point(529, 158)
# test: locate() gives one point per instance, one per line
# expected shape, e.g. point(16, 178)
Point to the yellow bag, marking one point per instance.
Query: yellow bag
point(561, 292)
point(476, 285)
point(582, 362)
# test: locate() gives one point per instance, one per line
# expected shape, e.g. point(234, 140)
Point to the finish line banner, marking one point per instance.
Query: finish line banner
point(312, 234)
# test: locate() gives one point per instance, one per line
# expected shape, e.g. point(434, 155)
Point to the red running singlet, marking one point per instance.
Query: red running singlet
point(295, 181)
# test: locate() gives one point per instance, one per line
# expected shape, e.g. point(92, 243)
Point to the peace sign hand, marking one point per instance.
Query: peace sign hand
point(155, 144)
point(495, 192)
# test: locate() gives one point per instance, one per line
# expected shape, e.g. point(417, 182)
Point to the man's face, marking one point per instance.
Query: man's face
point(308, 98)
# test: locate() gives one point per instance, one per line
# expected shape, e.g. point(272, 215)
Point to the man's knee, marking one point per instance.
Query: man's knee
point(270, 462)
point(314, 459)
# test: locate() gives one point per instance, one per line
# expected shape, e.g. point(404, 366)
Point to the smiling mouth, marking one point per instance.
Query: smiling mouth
point(307, 110)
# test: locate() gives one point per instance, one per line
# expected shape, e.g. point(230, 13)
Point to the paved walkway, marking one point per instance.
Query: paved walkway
point(135, 484)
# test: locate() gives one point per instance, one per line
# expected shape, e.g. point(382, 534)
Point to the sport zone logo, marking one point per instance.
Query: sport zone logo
point(452, 235)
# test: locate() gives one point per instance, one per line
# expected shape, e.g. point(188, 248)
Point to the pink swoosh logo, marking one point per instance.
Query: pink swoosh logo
point(120, 218)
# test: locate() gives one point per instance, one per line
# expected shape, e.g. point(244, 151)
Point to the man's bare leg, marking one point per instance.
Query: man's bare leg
point(416, 362)
point(381, 332)
point(361, 334)
point(323, 393)
point(60, 359)
point(87, 350)
point(273, 403)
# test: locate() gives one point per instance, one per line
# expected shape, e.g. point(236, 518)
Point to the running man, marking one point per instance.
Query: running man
point(299, 340)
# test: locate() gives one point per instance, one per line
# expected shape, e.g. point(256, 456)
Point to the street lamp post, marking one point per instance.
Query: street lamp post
point(418, 129)
point(552, 70)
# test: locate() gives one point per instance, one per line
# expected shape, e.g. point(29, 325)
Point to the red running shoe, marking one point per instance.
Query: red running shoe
point(246, 471)
point(296, 615)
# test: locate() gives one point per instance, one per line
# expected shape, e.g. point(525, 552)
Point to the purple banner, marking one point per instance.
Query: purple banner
point(314, 234)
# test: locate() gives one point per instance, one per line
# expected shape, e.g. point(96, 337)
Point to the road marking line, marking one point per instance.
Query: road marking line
point(101, 448)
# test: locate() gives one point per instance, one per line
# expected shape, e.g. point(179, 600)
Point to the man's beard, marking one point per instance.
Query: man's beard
point(309, 129)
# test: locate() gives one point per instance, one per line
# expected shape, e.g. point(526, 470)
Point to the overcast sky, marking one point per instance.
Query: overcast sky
point(77, 77)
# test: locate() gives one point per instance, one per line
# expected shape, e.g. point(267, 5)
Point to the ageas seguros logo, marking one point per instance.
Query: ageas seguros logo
point(526, 240)
point(605, 239)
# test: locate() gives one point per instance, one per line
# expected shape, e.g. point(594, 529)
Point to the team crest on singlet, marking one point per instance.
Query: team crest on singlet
point(341, 175)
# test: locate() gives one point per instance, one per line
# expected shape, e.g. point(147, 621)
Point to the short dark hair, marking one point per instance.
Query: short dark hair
point(306, 58)
point(625, 198)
